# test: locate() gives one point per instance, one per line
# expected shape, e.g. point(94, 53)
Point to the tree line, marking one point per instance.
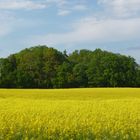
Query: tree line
point(44, 67)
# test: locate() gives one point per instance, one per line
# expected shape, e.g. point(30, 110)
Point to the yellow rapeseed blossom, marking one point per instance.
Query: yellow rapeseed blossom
point(83, 114)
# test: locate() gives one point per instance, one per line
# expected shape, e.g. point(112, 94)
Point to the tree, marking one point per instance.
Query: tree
point(64, 77)
point(44, 67)
point(8, 72)
point(80, 76)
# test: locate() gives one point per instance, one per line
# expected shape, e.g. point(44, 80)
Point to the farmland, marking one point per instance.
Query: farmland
point(100, 113)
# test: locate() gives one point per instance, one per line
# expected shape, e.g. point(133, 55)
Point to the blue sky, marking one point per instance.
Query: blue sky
point(112, 25)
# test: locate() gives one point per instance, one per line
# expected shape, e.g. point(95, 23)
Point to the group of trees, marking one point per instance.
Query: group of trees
point(43, 67)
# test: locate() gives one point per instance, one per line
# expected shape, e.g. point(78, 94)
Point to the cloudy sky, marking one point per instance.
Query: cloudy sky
point(112, 25)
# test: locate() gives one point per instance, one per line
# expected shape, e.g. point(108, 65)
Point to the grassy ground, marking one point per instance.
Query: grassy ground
point(107, 114)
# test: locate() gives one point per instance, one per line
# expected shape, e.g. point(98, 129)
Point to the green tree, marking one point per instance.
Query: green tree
point(44, 67)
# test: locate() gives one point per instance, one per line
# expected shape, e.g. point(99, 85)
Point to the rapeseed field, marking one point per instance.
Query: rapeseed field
point(70, 114)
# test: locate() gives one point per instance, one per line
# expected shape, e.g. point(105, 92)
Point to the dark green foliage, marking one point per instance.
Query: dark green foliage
point(138, 77)
point(64, 77)
point(43, 67)
point(8, 68)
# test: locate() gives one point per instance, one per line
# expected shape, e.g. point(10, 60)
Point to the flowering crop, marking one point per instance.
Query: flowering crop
point(82, 114)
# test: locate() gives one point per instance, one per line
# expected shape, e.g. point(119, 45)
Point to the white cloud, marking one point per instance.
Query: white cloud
point(67, 11)
point(9, 23)
point(66, 7)
point(4, 30)
point(59, 3)
point(80, 7)
point(63, 12)
point(95, 31)
point(6, 22)
point(20, 4)
point(122, 8)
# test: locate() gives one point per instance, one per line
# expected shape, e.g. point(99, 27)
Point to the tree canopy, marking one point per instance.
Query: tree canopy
point(44, 67)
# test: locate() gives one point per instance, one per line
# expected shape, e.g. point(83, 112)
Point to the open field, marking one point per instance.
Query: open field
point(101, 114)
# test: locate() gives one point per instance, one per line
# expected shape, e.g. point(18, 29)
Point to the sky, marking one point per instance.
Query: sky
point(112, 25)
